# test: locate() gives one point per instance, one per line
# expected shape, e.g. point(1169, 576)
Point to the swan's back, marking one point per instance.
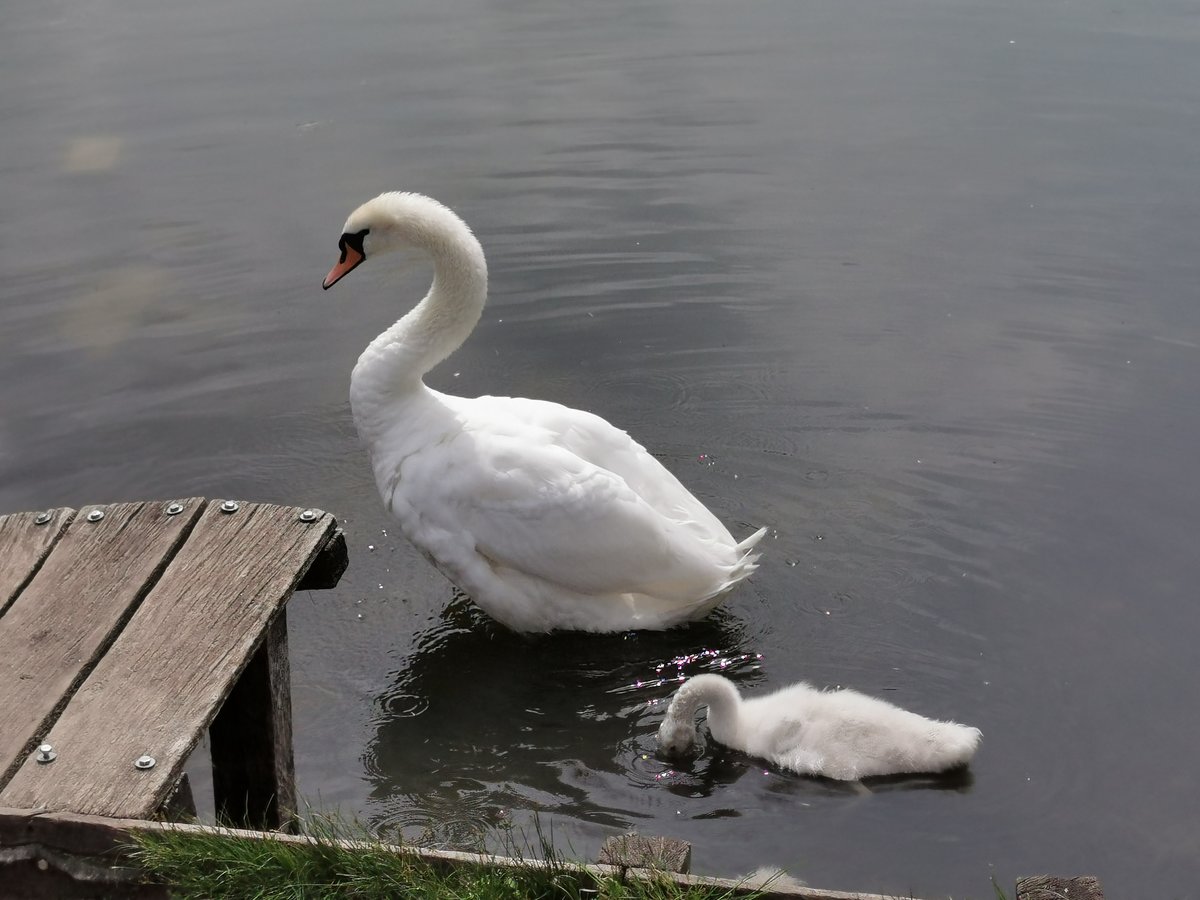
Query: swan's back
point(550, 517)
point(602, 444)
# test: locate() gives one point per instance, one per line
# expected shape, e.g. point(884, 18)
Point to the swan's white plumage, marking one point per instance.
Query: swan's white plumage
point(838, 734)
point(548, 517)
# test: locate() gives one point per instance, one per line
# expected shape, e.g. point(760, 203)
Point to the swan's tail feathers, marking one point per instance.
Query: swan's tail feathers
point(746, 563)
point(747, 559)
point(961, 743)
point(751, 542)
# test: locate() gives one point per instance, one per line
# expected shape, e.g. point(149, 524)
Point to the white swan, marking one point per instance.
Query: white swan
point(839, 734)
point(548, 517)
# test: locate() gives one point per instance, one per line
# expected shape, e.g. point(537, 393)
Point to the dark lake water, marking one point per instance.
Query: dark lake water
point(912, 283)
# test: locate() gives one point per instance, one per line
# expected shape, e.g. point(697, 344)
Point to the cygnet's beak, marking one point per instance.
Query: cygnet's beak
point(350, 259)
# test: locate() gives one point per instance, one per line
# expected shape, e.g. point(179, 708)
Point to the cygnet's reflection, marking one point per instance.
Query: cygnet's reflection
point(705, 773)
point(480, 723)
point(479, 720)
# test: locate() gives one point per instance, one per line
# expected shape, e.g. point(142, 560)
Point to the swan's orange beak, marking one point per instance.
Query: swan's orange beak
point(350, 259)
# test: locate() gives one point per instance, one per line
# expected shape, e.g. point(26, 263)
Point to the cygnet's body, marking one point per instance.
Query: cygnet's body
point(548, 517)
point(838, 734)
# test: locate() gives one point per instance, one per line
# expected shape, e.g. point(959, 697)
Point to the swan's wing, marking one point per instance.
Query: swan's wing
point(601, 443)
point(527, 504)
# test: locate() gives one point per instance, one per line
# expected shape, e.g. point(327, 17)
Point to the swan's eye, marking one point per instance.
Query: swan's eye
point(354, 242)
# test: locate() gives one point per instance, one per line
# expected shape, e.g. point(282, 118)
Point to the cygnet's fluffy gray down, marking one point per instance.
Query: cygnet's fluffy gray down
point(838, 734)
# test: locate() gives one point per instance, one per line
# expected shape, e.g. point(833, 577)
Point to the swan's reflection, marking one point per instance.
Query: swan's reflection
point(479, 721)
point(480, 724)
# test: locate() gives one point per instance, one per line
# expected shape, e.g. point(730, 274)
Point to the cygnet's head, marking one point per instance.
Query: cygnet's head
point(677, 736)
point(394, 221)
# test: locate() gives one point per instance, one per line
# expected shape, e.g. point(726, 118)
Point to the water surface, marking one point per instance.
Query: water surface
point(913, 284)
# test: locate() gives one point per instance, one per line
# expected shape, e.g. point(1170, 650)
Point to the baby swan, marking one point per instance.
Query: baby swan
point(838, 734)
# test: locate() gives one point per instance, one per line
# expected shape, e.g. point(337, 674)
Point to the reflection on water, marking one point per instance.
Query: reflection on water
point(471, 697)
point(577, 715)
point(716, 766)
point(98, 153)
point(124, 302)
point(912, 284)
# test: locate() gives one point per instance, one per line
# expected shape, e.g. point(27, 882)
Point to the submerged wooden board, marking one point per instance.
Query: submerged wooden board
point(164, 678)
point(1054, 887)
point(63, 838)
point(25, 541)
point(637, 851)
point(63, 621)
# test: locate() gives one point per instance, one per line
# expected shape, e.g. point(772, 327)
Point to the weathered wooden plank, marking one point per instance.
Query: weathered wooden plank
point(33, 874)
point(254, 776)
point(65, 618)
point(25, 541)
point(67, 859)
point(176, 660)
point(636, 851)
point(1053, 887)
point(95, 836)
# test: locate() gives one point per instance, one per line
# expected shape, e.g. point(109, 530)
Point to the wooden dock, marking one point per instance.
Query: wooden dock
point(127, 630)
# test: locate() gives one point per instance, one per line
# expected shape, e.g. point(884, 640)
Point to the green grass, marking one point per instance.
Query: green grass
point(214, 865)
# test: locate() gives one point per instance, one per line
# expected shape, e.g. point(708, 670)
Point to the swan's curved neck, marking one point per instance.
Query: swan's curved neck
point(713, 691)
point(395, 362)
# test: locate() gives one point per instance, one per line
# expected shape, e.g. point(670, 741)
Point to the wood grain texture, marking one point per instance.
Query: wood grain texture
point(68, 859)
point(636, 851)
point(63, 621)
point(1054, 887)
point(254, 774)
point(24, 545)
point(161, 683)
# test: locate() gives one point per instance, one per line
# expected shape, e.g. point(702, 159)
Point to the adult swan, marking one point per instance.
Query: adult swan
point(548, 517)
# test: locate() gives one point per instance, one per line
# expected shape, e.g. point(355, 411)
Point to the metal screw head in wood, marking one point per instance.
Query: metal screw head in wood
point(42, 518)
point(45, 754)
point(309, 515)
point(174, 509)
point(95, 515)
point(144, 762)
point(229, 506)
